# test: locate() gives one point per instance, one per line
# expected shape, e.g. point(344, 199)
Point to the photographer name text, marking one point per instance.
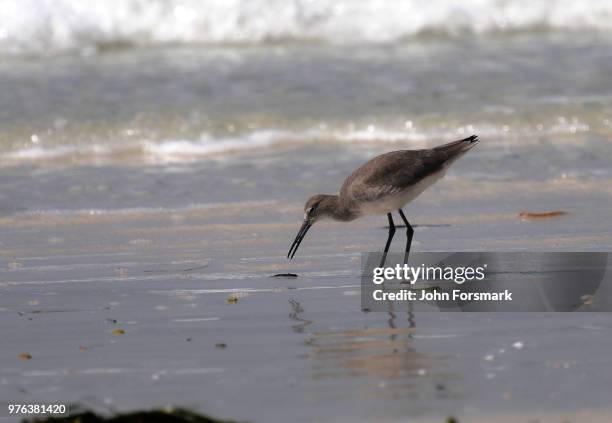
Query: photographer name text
point(435, 295)
point(412, 274)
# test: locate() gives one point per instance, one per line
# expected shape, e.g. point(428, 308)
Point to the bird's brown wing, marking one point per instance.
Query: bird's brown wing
point(389, 173)
point(392, 172)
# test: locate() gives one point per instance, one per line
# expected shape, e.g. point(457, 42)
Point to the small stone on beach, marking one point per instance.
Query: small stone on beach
point(25, 357)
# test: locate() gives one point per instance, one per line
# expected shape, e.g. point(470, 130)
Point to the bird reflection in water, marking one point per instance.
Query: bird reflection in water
point(384, 359)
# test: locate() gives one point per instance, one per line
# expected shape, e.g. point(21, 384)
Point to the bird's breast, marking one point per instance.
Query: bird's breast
point(392, 198)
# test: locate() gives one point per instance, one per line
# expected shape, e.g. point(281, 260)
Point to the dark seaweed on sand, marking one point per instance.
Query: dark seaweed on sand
point(177, 415)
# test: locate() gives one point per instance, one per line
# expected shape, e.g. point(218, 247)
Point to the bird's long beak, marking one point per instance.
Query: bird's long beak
point(298, 239)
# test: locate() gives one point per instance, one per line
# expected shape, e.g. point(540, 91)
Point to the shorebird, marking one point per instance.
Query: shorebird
point(381, 186)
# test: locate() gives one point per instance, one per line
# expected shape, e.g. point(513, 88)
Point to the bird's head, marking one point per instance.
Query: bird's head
point(317, 207)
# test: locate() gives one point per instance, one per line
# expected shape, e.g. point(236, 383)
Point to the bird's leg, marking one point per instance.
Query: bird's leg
point(409, 233)
point(389, 238)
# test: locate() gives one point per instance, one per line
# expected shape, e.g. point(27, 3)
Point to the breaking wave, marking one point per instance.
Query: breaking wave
point(207, 145)
point(42, 27)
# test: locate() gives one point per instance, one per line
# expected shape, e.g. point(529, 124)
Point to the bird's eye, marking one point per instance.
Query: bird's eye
point(310, 212)
point(307, 213)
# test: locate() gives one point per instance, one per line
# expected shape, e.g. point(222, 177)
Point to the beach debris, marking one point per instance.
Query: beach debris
point(14, 265)
point(188, 339)
point(168, 414)
point(188, 269)
point(285, 275)
point(232, 300)
point(121, 271)
point(140, 241)
point(587, 299)
point(82, 348)
point(118, 332)
point(489, 357)
point(221, 345)
point(541, 215)
point(518, 345)
point(560, 364)
point(452, 419)
point(25, 357)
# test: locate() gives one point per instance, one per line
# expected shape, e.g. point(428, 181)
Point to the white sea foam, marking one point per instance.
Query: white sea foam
point(59, 152)
point(187, 150)
point(207, 145)
point(51, 26)
point(38, 153)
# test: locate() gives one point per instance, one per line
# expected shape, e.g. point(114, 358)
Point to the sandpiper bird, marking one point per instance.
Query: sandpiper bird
point(384, 184)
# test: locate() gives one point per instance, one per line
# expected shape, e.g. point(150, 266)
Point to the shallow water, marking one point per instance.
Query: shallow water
point(182, 105)
point(180, 127)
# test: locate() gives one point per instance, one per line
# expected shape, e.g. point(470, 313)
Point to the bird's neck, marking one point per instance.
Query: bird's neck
point(338, 209)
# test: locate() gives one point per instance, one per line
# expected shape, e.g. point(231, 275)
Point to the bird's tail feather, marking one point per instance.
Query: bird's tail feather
point(458, 147)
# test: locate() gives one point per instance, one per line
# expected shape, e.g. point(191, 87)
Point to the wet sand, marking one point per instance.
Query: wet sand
point(204, 325)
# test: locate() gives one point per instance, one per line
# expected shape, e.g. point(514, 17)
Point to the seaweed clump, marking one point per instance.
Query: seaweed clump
point(173, 415)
